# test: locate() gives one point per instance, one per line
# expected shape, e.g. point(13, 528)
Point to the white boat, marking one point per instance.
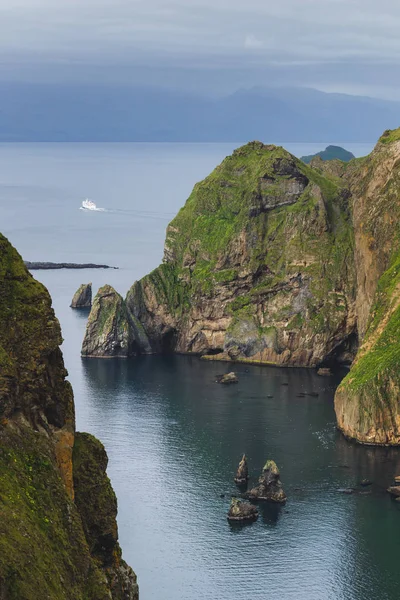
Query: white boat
point(88, 205)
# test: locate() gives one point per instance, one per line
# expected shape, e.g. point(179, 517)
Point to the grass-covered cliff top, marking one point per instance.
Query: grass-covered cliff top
point(260, 211)
point(30, 336)
point(390, 136)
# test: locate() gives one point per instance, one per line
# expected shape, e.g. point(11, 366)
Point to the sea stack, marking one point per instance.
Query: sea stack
point(107, 331)
point(242, 474)
point(269, 486)
point(242, 511)
point(83, 296)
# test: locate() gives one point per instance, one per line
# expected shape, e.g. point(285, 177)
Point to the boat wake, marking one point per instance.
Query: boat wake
point(90, 205)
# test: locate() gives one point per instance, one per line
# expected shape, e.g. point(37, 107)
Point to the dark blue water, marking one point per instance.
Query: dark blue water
point(174, 437)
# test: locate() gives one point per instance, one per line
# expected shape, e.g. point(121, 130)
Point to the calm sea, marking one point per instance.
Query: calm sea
point(173, 436)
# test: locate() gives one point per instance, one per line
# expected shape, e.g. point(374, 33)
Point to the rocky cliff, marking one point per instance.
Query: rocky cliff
point(367, 402)
point(49, 545)
point(273, 261)
point(257, 267)
point(83, 296)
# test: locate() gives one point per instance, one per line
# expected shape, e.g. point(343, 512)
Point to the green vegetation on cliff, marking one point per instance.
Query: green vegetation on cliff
point(367, 401)
point(262, 239)
point(47, 541)
point(43, 550)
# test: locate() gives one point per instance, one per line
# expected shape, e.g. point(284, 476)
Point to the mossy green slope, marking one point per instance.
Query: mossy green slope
point(32, 374)
point(263, 244)
point(44, 552)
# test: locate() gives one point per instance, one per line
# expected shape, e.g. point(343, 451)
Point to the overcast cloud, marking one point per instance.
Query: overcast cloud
point(219, 45)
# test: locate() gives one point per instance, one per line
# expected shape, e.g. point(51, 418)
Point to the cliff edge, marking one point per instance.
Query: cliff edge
point(46, 551)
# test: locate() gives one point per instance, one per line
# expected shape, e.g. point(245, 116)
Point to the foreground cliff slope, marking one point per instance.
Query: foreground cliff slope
point(367, 402)
point(258, 266)
point(52, 544)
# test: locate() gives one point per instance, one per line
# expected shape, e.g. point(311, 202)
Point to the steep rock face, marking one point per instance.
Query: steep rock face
point(33, 389)
point(107, 332)
point(258, 266)
point(97, 504)
point(44, 552)
point(83, 296)
point(367, 403)
point(111, 330)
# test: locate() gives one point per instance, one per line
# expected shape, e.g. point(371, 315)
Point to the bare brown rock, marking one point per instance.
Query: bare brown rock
point(269, 486)
point(242, 511)
point(242, 474)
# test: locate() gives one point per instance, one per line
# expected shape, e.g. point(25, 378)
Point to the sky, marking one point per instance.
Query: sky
point(205, 46)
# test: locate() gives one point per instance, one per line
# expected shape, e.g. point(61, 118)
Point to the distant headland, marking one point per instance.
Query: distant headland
point(44, 266)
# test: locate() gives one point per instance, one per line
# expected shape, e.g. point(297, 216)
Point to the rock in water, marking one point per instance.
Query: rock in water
point(83, 296)
point(111, 331)
point(394, 490)
point(324, 371)
point(228, 378)
point(269, 485)
point(242, 474)
point(242, 511)
point(107, 331)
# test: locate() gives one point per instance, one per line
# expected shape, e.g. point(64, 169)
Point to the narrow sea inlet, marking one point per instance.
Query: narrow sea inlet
point(174, 437)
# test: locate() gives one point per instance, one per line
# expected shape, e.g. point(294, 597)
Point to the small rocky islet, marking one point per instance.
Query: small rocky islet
point(272, 261)
point(268, 489)
point(241, 511)
point(82, 297)
point(242, 473)
point(269, 486)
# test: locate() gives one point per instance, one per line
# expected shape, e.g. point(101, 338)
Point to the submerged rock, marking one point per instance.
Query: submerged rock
point(324, 371)
point(269, 485)
point(83, 296)
point(365, 482)
point(228, 378)
point(242, 511)
point(242, 474)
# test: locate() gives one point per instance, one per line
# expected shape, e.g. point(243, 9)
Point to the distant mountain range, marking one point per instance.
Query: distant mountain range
point(50, 112)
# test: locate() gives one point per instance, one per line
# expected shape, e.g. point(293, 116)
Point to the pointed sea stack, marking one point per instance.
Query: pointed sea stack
point(269, 485)
point(107, 331)
point(242, 511)
point(83, 296)
point(242, 474)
